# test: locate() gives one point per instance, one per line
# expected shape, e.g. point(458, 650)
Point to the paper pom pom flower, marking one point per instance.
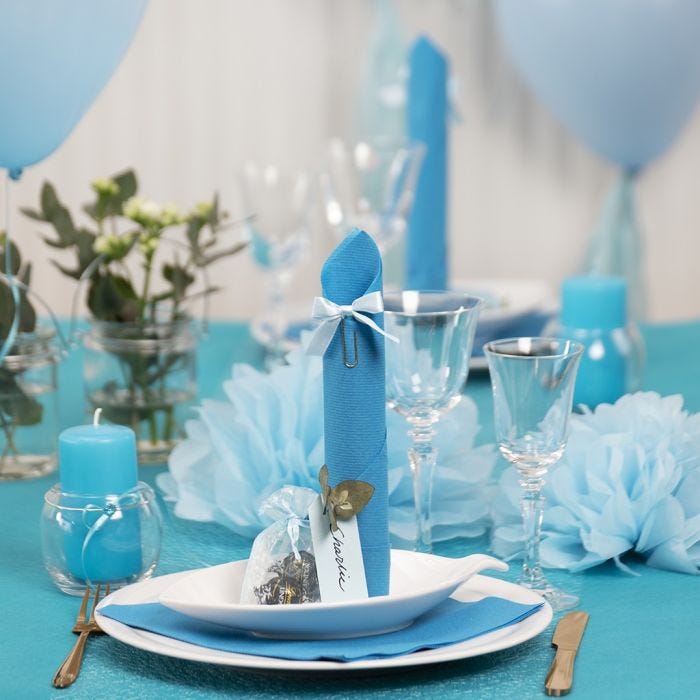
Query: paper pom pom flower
point(628, 481)
point(269, 433)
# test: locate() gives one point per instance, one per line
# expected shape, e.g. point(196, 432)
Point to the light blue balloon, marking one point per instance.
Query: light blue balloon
point(623, 75)
point(55, 57)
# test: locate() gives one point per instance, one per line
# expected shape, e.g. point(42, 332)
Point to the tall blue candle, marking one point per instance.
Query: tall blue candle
point(426, 245)
point(97, 464)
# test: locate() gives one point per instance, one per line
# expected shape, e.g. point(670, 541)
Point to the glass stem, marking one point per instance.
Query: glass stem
point(422, 458)
point(276, 304)
point(532, 509)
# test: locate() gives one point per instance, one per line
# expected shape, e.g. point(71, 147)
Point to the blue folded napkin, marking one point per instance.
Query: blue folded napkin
point(448, 623)
point(426, 245)
point(354, 400)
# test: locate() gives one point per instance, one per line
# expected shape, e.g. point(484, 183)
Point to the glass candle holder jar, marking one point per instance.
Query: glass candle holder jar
point(28, 406)
point(594, 313)
point(111, 539)
point(143, 376)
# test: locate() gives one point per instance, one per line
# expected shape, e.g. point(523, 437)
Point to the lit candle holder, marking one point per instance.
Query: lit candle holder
point(97, 466)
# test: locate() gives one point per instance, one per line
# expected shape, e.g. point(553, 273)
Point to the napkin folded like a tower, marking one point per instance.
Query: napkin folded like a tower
point(354, 400)
point(426, 248)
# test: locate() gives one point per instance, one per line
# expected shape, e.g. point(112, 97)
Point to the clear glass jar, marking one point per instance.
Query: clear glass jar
point(143, 376)
point(111, 539)
point(29, 406)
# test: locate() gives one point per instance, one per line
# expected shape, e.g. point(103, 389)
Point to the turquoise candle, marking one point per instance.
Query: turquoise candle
point(97, 460)
point(97, 464)
point(594, 312)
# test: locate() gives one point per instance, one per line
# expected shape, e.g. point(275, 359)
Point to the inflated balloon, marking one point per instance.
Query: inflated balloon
point(55, 57)
point(623, 75)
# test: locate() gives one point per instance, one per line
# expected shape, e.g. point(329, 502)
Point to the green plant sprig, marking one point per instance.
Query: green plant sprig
point(17, 407)
point(124, 227)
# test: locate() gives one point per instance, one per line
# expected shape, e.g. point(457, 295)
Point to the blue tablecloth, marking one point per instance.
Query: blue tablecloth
point(641, 641)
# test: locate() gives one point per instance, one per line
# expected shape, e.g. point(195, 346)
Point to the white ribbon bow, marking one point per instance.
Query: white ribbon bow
point(330, 315)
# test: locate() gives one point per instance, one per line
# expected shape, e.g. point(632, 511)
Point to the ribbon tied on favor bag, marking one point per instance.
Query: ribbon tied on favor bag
point(331, 316)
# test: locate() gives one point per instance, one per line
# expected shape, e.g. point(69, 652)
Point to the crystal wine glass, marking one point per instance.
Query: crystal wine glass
point(371, 186)
point(278, 231)
point(425, 375)
point(533, 383)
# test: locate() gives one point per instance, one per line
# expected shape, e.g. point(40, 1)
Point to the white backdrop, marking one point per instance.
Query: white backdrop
point(208, 84)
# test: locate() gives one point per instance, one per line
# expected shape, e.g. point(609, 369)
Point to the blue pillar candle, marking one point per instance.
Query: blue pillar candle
point(97, 465)
point(594, 312)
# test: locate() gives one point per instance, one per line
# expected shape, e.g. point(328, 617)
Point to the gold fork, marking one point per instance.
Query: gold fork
point(70, 668)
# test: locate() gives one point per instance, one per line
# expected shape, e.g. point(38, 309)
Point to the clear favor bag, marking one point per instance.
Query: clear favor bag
point(282, 568)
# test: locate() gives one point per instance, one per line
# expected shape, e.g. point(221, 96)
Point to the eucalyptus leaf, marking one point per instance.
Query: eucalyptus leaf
point(33, 214)
point(15, 259)
point(179, 278)
point(85, 243)
point(350, 497)
point(27, 314)
point(112, 205)
point(16, 406)
point(75, 274)
point(346, 499)
point(112, 298)
point(226, 252)
point(59, 217)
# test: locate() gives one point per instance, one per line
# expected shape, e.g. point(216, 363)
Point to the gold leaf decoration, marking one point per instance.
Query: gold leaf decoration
point(346, 499)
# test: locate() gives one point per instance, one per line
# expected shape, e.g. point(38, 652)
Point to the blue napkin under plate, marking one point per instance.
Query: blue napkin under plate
point(354, 400)
point(449, 623)
point(427, 111)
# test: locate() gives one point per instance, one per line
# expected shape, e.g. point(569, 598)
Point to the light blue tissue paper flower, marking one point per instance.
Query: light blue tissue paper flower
point(269, 433)
point(628, 481)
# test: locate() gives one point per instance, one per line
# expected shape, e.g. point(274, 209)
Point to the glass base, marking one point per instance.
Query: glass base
point(23, 466)
point(72, 585)
point(558, 599)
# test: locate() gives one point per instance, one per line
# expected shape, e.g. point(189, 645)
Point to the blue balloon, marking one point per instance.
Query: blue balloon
point(624, 75)
point(55, 57)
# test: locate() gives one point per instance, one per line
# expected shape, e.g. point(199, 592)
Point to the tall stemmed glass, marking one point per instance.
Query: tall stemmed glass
point(371, 186)
point(278, 231)
point(425, 375)
point(533, 384)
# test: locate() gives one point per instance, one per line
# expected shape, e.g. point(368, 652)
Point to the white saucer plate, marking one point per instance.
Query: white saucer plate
point(419, 582)
point(476, 588)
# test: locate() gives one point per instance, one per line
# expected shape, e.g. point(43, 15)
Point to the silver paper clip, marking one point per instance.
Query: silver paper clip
point(348, 364)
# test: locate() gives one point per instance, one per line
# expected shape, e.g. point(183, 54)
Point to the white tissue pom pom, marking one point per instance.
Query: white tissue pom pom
point(628, 481)
point(269, 433)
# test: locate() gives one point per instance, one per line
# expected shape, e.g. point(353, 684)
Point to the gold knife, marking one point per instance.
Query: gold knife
point(567, 638)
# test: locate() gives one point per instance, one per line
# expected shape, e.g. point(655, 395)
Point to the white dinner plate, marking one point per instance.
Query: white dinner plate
point(476, 588)
point(419, 582)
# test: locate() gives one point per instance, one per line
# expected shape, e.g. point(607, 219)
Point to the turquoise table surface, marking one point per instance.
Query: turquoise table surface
point(642, 641)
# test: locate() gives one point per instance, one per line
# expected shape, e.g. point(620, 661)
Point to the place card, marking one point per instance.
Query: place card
point(338, 553)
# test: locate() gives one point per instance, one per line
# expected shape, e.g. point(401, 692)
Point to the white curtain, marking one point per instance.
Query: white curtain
point(208, 84)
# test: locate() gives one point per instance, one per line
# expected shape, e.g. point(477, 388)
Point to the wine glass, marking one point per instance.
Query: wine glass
point(278, 231)
point(425, 375)
point(371, 186)
point(533, 384)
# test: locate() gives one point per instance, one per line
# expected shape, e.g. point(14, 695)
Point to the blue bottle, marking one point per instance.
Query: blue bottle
point(594, 312)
